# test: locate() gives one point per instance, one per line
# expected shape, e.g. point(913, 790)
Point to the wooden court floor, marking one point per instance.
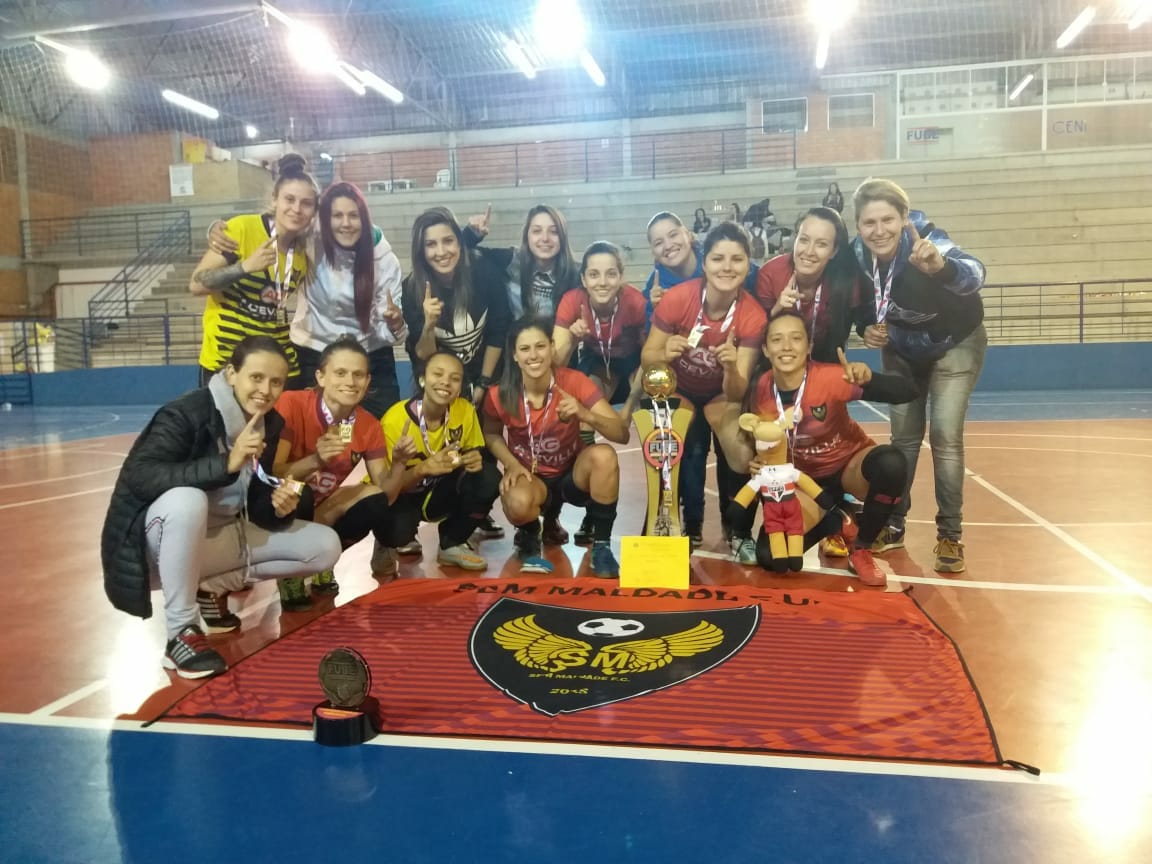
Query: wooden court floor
point(1053, 616)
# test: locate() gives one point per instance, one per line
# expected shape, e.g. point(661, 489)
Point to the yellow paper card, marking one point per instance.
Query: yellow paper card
point(654, 562)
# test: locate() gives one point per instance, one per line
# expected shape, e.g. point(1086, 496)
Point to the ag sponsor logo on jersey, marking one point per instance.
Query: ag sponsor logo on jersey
point(559, 660)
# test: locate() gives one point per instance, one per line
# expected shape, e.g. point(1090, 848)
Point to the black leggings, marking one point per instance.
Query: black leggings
point(459, 502)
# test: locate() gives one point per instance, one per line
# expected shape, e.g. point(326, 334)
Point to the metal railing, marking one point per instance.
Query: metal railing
point(115, 300)
point(1105, 310)
point(77, 236)
point(575, 160)
point(44, 345)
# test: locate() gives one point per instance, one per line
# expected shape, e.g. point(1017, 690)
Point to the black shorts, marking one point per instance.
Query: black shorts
point(622, 368)
point(562, 489)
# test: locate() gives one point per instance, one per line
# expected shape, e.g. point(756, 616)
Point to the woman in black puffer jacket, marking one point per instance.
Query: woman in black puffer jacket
point(196, 513)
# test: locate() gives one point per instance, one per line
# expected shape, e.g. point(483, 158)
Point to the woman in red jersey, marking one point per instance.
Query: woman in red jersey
point(544, 458)
point(825, 442)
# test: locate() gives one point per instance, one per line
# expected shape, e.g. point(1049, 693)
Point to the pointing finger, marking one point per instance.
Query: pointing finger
point(406, 429)
point(844, 364)
point(912, 230)
point(487, 215)
point(427, 291)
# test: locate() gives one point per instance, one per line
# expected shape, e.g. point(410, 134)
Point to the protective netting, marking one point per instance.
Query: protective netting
point(450, 59)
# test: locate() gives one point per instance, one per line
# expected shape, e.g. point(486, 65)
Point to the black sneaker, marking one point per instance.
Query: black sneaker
point(584, 536)
point(214, 610)
point(489, 530)
point(694, 531)
point(554, 533)
point(529, 551)
point(190, 655)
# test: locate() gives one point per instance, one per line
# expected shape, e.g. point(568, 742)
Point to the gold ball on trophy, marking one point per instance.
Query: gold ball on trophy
point(659, 381)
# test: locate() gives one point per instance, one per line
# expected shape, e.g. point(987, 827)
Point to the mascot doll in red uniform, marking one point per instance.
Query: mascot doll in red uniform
point(776, 484)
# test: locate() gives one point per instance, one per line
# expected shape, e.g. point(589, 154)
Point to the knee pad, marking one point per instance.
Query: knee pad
point(886, 471)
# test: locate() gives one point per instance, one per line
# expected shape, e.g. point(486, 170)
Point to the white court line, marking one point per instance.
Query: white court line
point(63, 479)
point(71, 699)
point(968, 524)
point(1099, 560)
point(549, 748)
point(54, 498)
point(1064, 450)
point(1037, 435)
point(1115, 590)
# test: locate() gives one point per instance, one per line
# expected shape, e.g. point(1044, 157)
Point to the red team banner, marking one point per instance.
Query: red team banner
point(863, 674)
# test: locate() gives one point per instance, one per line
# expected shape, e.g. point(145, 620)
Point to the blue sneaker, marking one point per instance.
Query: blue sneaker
point(604, 563)
point(530, 552)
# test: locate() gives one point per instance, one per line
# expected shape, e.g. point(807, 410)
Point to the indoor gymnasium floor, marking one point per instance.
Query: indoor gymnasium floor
point(1053, 618)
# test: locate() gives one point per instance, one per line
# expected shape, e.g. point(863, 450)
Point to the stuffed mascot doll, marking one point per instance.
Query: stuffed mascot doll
point(775, 484)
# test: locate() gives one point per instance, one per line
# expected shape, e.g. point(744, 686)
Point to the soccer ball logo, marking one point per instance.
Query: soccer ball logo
point(610, 628)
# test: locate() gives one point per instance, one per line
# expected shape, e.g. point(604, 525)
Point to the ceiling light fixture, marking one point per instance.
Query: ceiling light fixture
point(519, 58)
point(1076, 27)
point(190, 104)
point(592, 68)
point(1019, 88)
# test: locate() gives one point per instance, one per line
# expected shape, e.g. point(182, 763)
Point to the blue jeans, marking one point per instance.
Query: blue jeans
point(945, 385)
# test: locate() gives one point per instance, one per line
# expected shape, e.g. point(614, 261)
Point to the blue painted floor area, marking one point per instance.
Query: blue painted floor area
point(155, 797)
point(30, 425)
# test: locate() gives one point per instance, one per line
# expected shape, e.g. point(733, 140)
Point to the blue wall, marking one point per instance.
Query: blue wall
point(134, 385)
point(1113, 365)
point(1109, 365)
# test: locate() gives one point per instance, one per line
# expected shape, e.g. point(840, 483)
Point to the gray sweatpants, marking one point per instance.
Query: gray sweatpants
point(185, 555)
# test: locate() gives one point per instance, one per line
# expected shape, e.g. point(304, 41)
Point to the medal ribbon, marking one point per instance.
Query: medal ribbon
point(419, 409)
point(797, 413)
point(815, 312)
point(728, 318)
point(606, 353)
point(345, 433)
point(282, 286)
point(533, 447)
point(883, 295)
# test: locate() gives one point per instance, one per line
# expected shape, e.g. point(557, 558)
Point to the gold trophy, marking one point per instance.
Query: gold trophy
point(662, 422)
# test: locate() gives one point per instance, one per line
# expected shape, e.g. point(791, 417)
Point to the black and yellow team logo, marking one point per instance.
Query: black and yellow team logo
point(558, 660)
point(819, 411)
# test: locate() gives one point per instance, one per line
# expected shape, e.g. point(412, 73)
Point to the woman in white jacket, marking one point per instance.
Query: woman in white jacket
point(353, 290)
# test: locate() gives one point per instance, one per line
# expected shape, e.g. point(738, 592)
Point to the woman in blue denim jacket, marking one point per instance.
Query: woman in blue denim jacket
point(928, 322)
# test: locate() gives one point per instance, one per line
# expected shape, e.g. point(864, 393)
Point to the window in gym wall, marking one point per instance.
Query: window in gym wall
point(851, 111)
point(785, 115)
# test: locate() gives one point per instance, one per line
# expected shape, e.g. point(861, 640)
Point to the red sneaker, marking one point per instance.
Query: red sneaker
point(861, 562)
point(850, 530)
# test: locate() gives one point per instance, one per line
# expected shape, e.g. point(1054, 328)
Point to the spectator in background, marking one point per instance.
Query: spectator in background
point(928, 320)
point(833, 200)
point(701, 225)
point(196, 512)
point(355, 288)
point(538, 272)
point(710, 331)
point(248, 287)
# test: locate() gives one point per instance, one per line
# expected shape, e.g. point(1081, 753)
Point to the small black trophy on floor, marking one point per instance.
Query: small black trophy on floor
point(348, 716)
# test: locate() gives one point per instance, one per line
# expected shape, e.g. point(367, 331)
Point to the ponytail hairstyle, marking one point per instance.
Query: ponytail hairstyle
point(511, 384)
point(363, 267)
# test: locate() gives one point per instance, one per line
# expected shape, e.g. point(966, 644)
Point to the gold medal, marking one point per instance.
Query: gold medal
point(346, 432)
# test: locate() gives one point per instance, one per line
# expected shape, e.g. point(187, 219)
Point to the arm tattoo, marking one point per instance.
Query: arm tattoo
point(221, 277)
